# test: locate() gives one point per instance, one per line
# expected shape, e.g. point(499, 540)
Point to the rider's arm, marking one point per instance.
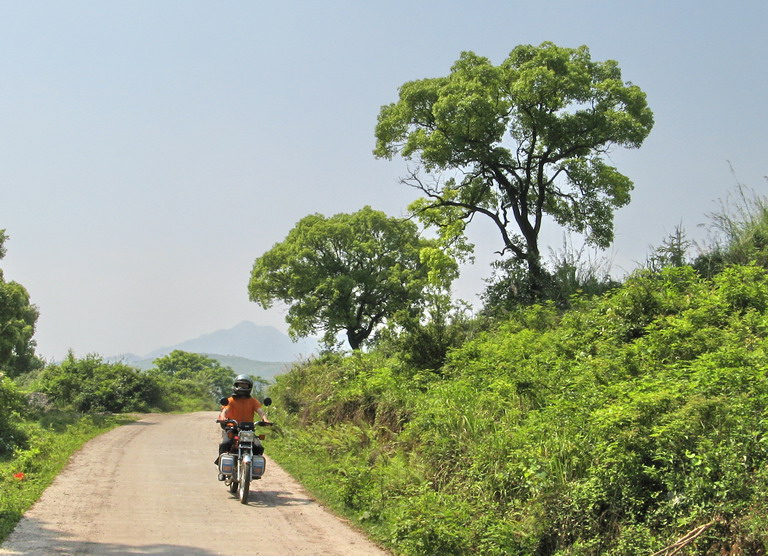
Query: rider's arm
point(262, 414)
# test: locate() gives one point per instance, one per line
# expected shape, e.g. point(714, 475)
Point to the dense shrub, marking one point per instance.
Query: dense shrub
point(569, 273)
point(613, 428)
point(91, 384)
point(11, 403)
point(193, 382)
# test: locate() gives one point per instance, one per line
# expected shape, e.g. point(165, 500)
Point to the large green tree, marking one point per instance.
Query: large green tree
point(349, 272)
point(17, 325)
point(517, 143)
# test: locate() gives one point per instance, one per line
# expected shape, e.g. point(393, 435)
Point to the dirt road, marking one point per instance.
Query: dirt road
point(150, 488)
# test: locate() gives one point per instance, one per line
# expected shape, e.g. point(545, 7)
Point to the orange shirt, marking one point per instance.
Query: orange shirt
point(241, 409)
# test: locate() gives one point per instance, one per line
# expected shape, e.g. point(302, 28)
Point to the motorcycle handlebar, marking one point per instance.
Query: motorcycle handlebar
point(257, 423)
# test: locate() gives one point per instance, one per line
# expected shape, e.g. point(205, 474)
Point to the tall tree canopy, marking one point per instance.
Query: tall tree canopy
point(349, 272)
point(520, 141)
point(17, 325)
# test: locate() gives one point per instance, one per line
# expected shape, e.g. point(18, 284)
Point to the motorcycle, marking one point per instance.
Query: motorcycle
point(245, 461)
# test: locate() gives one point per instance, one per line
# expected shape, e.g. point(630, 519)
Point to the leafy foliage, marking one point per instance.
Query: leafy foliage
point(11, 404)
point(527, 140)
point(191, 375)
point(179, 381)
point(422, 342)
point(349, 272)
point(91, 385)
point(613, 428)
point(569, 275)
point(17, 325)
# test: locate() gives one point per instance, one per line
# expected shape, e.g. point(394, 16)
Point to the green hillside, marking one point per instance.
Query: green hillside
point(632, 422)
point(242, 365)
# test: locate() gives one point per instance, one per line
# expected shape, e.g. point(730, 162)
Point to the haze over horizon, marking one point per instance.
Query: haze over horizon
point(246, 339)
point(153, 150)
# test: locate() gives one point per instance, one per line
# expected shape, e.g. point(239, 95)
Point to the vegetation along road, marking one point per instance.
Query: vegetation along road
point(150, 488)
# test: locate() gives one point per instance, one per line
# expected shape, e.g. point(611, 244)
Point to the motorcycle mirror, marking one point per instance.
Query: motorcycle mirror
point(267, 401)
point(224, 401)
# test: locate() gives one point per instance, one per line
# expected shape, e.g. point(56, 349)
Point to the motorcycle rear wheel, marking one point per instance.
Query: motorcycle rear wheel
point(245, 483)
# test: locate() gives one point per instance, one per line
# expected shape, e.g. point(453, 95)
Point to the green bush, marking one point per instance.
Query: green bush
point(614, 428)
point(192, 379)
point(11, 404)
point(92, 385)
point(431, 523)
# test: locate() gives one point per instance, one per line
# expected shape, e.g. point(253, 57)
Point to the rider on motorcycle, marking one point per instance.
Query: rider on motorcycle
point(241, 407)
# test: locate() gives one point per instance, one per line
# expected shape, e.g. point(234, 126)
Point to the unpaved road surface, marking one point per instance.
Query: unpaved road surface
point(150, 487)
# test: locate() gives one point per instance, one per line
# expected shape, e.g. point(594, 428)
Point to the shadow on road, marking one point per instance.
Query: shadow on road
point(38, 539)
point(131, 422)
point(275, 498)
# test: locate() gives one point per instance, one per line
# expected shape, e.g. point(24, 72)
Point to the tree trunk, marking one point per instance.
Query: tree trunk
point(537, 275)
point(355, 337)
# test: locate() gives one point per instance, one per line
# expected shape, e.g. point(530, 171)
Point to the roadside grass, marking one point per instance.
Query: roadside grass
point(314, 468)
point(289, 449)
point(51, 441)
point(332, 466)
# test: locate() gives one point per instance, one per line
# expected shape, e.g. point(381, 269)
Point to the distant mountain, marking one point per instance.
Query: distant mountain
point(244, 366)
point(247, 348)
point(247, 340)
point(240, 365)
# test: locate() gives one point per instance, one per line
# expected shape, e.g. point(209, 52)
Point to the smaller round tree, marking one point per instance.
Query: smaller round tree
point(349, 272)
point(18, 318)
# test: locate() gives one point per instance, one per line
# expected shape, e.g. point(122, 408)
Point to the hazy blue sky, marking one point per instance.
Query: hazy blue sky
point(151, 150)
